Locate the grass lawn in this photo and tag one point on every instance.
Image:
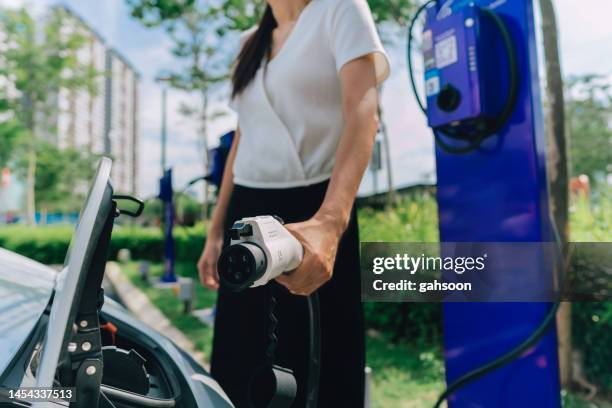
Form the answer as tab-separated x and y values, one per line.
172	307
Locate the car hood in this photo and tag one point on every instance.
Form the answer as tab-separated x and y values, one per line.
25	289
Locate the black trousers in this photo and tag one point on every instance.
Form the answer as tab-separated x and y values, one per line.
240	337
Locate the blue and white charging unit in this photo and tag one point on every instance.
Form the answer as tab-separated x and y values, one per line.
495	190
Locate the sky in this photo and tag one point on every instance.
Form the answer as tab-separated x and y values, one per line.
585	39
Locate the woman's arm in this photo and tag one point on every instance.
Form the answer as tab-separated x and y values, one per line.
321	234
360	110
207	265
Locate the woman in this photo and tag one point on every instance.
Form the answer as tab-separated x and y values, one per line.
305	90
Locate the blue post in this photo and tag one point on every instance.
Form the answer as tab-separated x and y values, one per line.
498	193
166	196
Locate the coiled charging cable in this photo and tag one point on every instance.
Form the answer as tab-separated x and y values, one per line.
314	369
272	386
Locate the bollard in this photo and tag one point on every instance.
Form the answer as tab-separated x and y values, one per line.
186	293
368	388
144	267
124	255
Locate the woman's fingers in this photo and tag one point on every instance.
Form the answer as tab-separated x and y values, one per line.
211	276
212	281
201	271
307	278
207	270
207	264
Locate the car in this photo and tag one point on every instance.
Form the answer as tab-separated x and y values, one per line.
58	331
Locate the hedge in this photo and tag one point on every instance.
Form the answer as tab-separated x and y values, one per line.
49	245
46	245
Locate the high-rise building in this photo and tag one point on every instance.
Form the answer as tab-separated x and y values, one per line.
104	121
101	121
121	126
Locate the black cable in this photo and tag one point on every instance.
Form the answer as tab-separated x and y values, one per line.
314	352
513	71
410	40
533	338
314	369
477	136
271	329
472	146
504	359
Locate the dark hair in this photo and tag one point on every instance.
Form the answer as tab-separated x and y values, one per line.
257	47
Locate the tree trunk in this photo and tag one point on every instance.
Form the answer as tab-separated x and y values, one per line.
29	112
31	184
391	197
557	167
205	204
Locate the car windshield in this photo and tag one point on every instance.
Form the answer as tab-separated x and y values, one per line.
71	280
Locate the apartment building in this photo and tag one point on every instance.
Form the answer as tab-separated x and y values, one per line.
104	121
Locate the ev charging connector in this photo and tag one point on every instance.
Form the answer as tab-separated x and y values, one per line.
261	249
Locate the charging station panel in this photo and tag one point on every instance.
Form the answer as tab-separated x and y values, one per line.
460	83
497	193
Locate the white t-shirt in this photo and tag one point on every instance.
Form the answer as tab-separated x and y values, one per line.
290	115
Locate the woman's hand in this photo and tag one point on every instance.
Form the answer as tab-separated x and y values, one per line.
320	237
207	265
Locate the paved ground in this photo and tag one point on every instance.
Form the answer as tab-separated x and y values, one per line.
140	305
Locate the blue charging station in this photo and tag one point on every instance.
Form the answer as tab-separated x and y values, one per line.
495	190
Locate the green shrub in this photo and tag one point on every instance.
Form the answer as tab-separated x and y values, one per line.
592	322
49	244
414	219
592	335
420	324
591	221
45	244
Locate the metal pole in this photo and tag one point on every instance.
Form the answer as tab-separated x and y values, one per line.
164	130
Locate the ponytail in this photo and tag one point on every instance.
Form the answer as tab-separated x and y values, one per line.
257	47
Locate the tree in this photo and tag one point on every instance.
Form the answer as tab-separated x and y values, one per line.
77	170
61	178
197	32
240	15
152	12
589	115
391	196
11	134
38	60
557	163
